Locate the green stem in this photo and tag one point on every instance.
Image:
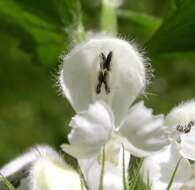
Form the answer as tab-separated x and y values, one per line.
173	175
102	171
80	32
109	17
6	182
124	171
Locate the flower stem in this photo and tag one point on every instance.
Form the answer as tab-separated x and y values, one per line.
6	182
102	171
109	17
124	171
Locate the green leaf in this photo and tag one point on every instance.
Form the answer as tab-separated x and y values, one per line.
40	37
45	37
174	5
173	176
134	172
71	16
6	183
177	31
141	19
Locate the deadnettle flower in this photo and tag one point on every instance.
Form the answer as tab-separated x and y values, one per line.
41	169
103	68
159	167
101	78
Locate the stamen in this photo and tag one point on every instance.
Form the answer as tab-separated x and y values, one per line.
105	67
185	128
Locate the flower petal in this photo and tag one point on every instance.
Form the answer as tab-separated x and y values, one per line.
113	171
187	148
79	75
183	115
190	184
91	129
144	132
159	168
53	174
17	170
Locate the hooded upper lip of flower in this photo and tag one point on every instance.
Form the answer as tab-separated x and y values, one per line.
123	82
140	132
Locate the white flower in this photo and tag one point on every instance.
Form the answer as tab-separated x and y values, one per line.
16	171
103	68
52	173
41	168
140	132
183	117
113	168
159	167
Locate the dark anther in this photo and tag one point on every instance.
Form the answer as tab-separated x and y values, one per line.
185	128
179	128
105	67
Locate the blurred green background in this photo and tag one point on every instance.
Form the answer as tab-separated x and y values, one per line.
33	34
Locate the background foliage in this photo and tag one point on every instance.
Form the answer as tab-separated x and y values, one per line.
34	33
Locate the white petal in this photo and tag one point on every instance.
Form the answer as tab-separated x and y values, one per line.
53	174
159	167
182	114
189	185
90	131
79	75
113	171
144	132
188	145
17	170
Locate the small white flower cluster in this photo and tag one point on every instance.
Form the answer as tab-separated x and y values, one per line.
102	78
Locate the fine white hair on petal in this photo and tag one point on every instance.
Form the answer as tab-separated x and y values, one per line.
144	132
17	171
182	115
159	167
79	74
91	129
50	172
